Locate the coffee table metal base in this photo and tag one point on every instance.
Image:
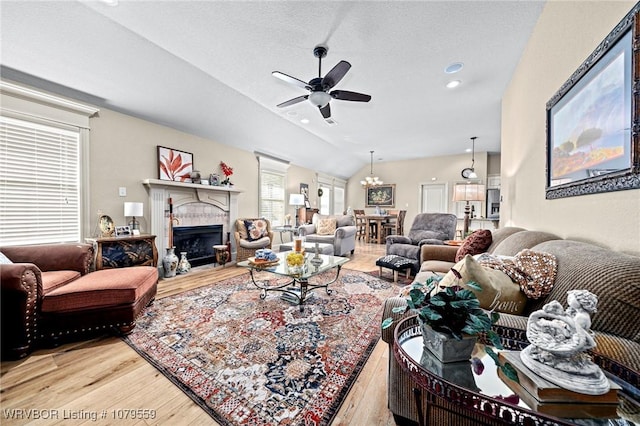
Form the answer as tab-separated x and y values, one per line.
303	283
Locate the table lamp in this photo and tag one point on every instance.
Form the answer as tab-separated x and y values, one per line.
468	192
298	201
133	210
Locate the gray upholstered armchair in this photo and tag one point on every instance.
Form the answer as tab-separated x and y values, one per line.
343	236
427	228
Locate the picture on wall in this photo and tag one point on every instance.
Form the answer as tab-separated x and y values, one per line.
174	164
381	196
590	147
304	190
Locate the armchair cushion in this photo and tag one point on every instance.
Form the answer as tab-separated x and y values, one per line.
54	279
419	235
255	244
256	229
327	226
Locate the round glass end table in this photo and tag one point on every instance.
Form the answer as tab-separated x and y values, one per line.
472	393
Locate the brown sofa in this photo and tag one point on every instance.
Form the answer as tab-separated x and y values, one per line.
614	277
49	294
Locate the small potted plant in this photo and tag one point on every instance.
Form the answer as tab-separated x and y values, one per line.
451	318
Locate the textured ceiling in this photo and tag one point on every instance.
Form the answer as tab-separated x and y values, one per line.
204	67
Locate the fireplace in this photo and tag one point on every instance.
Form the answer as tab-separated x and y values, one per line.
198	242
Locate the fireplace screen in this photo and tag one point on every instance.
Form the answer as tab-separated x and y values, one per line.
198	242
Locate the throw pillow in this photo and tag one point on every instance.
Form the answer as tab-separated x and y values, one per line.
4	260
256	229
476	243
498	291
327	226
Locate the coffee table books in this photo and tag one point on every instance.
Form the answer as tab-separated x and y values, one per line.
545	397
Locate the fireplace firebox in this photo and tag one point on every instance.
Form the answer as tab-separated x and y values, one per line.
198	242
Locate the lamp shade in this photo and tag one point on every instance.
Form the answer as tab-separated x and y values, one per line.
469	192
296	200
133	209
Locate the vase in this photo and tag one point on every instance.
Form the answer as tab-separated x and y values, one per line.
446	347
195	176
170	263
183	265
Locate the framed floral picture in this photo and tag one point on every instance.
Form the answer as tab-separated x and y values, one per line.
381	196
174	164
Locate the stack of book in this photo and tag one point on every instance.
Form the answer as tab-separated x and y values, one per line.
547	398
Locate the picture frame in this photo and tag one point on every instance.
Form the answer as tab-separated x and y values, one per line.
123	231
590	145
380	196
304	190
174	165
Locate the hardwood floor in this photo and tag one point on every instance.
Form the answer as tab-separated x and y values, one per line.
105	377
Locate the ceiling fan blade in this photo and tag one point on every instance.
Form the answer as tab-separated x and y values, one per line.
291	80
293	101
335	75
325	111
345	95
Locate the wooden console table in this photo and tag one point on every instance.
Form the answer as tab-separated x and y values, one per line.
120	252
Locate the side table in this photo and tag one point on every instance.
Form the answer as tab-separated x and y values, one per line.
120	252
456	394
292	230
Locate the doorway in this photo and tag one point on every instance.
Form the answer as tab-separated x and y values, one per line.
434	198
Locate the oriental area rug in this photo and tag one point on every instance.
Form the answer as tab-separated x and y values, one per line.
249	361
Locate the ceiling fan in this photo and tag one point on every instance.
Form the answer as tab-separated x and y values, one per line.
319	87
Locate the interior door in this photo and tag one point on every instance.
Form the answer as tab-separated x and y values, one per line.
434	198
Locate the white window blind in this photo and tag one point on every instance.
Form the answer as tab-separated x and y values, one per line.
272	203
273	174
39	183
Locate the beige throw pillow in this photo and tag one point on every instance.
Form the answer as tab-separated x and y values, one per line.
498	293
327	226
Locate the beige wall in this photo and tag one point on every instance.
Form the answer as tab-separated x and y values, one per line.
410	175
566	34
123	152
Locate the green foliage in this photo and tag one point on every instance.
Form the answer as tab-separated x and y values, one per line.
453	310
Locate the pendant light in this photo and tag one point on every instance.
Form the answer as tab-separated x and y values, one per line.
470	172
371	180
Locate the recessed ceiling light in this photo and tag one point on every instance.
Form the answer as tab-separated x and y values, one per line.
467	150
292	113
110	2
454	68
453	83
305	121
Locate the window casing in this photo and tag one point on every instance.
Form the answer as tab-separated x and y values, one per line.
44	156
273	177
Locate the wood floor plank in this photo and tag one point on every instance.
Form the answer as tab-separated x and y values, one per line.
105	375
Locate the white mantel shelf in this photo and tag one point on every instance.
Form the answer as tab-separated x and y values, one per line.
169	183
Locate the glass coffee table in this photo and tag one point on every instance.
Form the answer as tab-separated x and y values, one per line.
472	393
299	287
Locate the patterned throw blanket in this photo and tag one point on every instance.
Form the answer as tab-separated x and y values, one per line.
535	272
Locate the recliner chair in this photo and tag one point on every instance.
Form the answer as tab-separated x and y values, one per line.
427	228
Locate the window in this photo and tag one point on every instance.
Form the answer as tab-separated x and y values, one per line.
43	167
273	175
39	183
332	200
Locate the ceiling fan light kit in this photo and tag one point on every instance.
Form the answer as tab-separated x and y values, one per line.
319	87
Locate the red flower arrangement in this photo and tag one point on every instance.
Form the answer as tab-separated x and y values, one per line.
228	171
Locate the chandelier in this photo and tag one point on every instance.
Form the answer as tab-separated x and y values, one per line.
371	180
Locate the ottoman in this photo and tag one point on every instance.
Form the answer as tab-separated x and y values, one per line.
396	264
310	248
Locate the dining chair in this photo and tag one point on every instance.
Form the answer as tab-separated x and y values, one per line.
360	223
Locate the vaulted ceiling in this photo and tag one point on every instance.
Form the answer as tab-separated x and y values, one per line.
204	67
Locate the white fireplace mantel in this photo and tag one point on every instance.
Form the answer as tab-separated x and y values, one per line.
181	193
